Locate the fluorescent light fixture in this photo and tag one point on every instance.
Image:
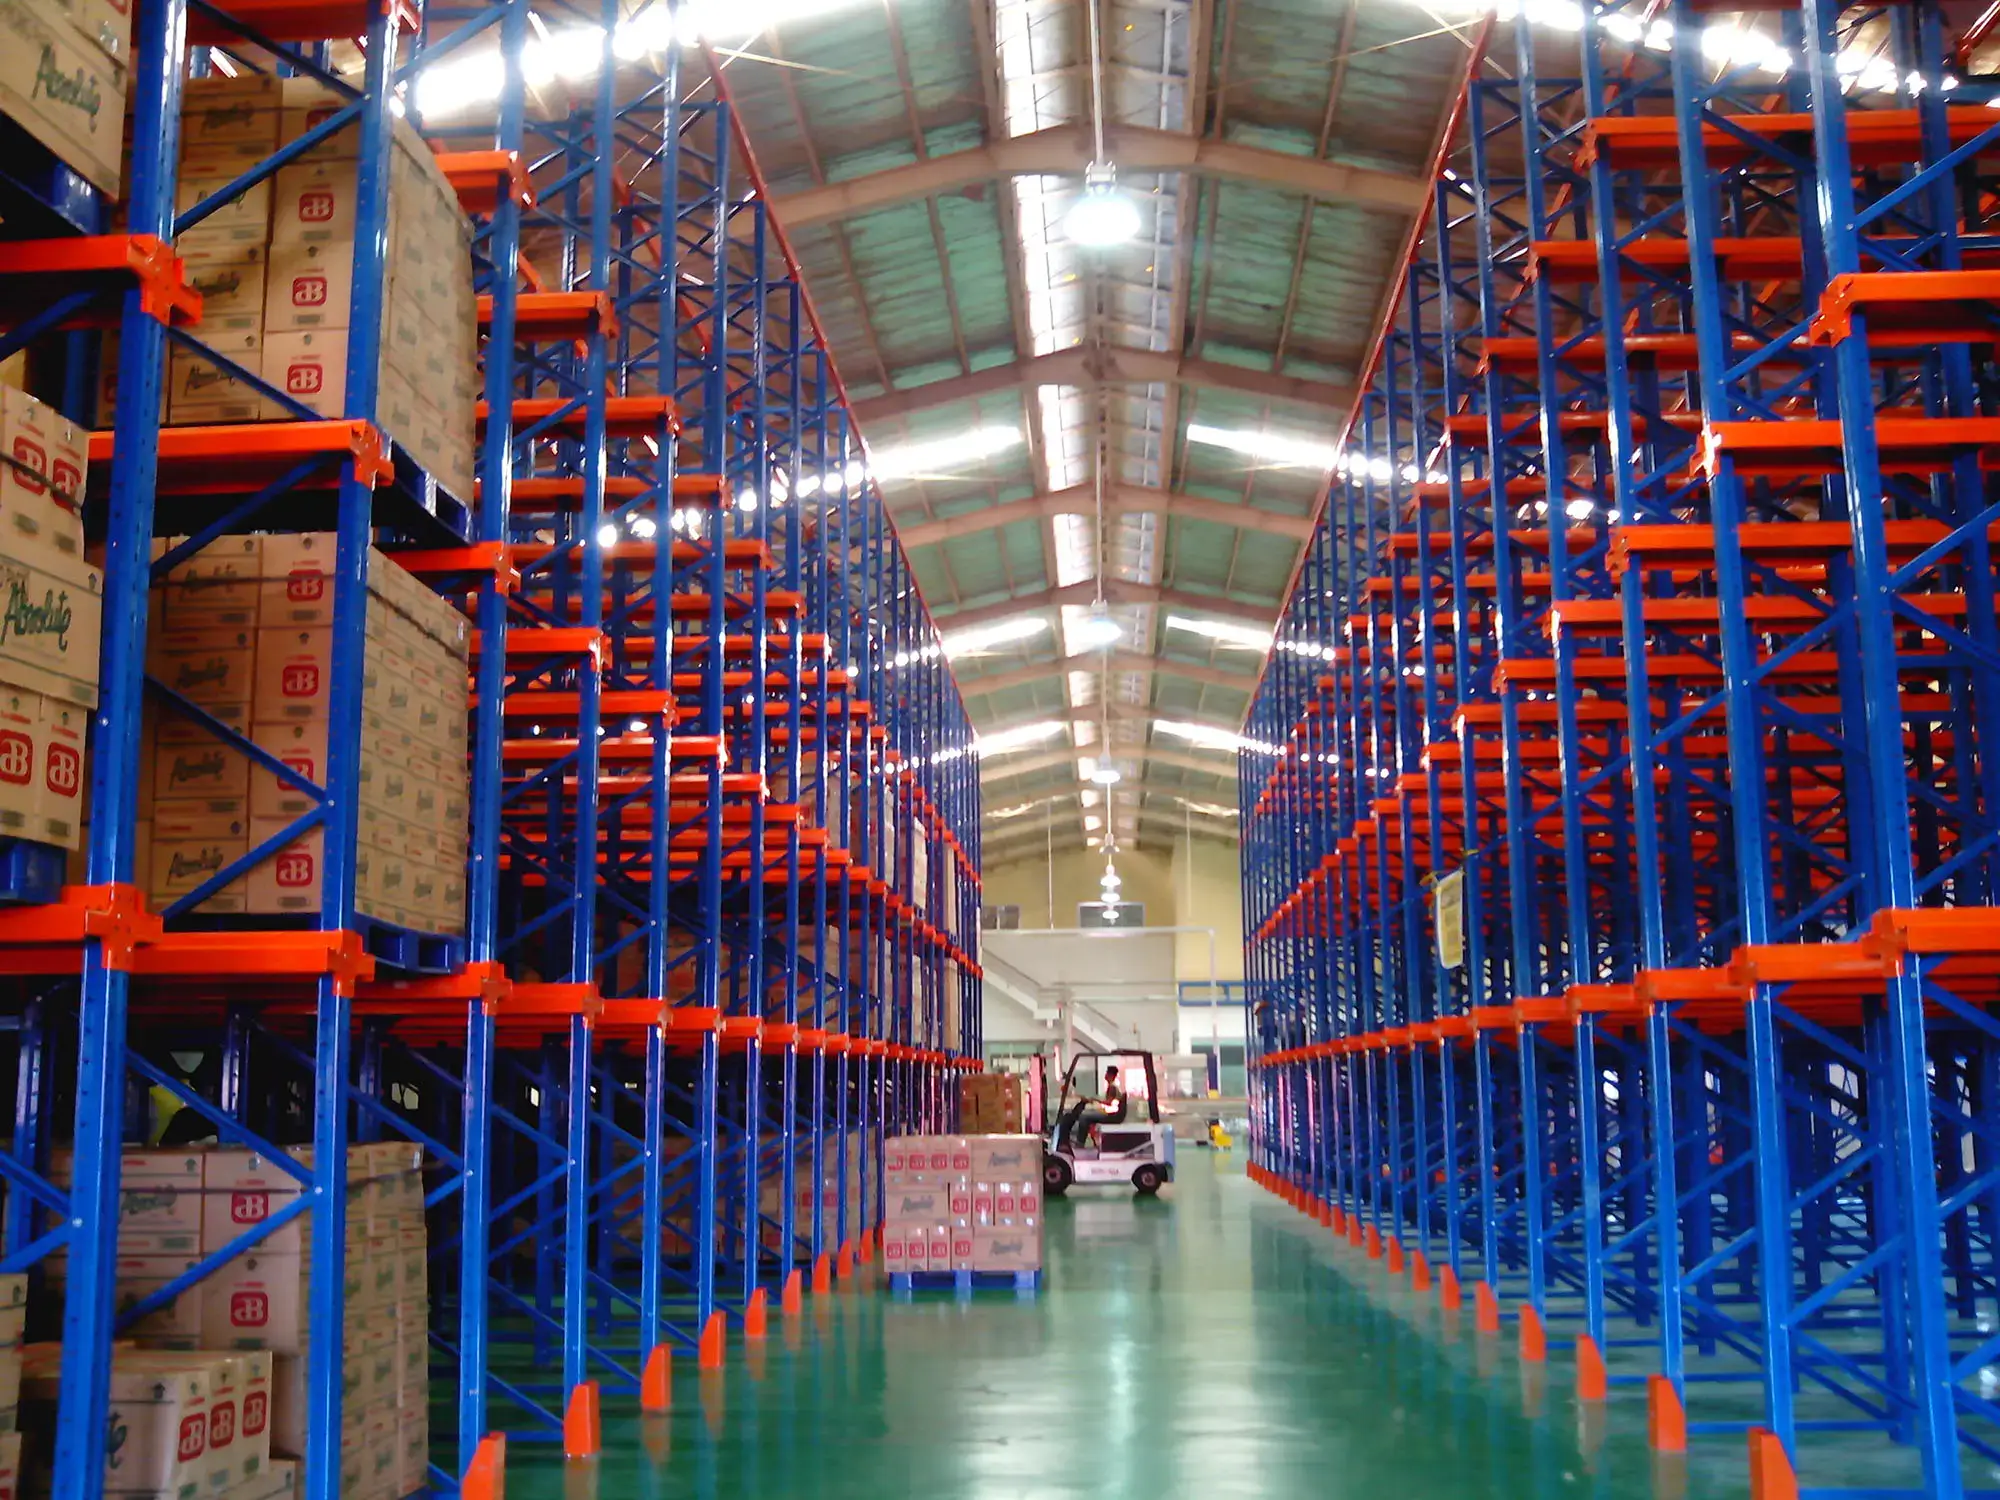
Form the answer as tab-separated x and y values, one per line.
607	535
1020	737
1208	809
1103	214
1019	809
572	54
1098	631
1223	632
1268	447
942	455
1580	510
983	638
1209	737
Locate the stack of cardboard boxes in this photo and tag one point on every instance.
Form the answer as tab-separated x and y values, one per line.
990	1104
962	1203
275	267
245	631
830	1193
51	607
13	1328
63	78
234	1347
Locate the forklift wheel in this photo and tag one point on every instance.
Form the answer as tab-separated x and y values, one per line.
1147	1180
1056	1175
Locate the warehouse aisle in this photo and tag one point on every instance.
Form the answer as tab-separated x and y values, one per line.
1206	1346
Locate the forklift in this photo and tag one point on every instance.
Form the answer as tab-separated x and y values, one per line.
1131	1151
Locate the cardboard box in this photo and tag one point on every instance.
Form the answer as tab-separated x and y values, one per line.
1013	1249
216	586
205	772
106	22
178	1325
237	114
308	103
49	621
310	286
20	712
315	204
214	667
42	480
257	1301
301	745
13	1308
59	85
201	393
294	678
160	1409
61	739
239	224
998	1158
187	849
241	1190
10	1465
310	367
288	883
231	279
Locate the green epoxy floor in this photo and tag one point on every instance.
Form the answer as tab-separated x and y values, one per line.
1210	1344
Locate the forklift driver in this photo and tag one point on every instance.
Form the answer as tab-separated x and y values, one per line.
1112	1111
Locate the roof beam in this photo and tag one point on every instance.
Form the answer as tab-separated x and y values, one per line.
1116	661
1013	830
1007	767
1119	500
1092	713
1116	591
1065	150
1091	365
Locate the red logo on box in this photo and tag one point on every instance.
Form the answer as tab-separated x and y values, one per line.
305	585
17	758
222	1424
1005	1203
309	290
300	679
34	464
249	1309
315	206
68	484
294	868
302	763
961	1164
892	1251
1027	1203
940	1160
194	1438
64	776
959	1203
961	1248
249	1208
256	1408
304	379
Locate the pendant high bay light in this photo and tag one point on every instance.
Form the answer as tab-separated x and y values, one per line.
1103	214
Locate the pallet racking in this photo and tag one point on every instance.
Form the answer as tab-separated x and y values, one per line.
1632	972
712	739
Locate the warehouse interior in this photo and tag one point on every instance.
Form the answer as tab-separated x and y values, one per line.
999	748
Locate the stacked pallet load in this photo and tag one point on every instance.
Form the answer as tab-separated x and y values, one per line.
245	635
274	266
231	1349
962	1210
991	1104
